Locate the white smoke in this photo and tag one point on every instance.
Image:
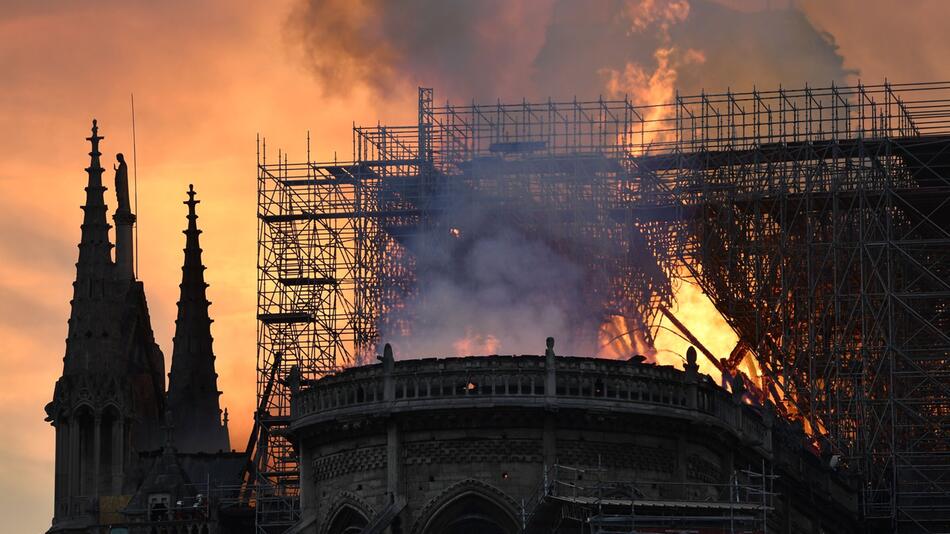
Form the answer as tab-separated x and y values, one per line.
486	285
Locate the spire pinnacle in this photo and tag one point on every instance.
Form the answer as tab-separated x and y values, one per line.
191	202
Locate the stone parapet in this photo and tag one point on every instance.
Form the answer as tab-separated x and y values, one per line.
523	381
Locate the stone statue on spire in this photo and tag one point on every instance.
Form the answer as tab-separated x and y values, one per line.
122	184
124	222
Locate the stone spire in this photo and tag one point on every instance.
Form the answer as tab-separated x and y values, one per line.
95	259
107	404
192	390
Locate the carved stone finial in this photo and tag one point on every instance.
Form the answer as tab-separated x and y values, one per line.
293	379
191	202
388	359
549	343
691	367
738	387
95	137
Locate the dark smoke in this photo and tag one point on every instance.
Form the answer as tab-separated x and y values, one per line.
550	48
463	47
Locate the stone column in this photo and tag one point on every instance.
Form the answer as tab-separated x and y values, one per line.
96	452
681	477
393	459
118	455
691	375
549	438
730	462
393	445
61	492
550	368
389	363
308	496
549	442
74	468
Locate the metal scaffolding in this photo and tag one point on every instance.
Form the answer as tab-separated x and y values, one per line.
817	220
588	500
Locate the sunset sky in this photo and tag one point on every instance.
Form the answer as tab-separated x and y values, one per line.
208	76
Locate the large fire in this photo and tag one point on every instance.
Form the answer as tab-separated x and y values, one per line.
693	310
692	321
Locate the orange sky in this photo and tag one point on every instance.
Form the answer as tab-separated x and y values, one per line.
207	76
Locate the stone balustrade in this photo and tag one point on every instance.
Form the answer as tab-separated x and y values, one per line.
525	381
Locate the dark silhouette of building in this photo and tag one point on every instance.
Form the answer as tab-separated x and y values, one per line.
116	459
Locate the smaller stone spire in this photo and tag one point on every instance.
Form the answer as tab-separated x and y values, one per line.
192	383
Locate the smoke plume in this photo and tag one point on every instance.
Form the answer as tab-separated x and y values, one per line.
487	284
556	48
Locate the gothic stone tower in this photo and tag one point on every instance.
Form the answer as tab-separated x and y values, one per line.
193	384
109	402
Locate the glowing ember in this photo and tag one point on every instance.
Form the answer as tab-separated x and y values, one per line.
476	343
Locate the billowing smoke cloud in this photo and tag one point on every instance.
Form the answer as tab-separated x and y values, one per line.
557	48
488	285
468	49
494	286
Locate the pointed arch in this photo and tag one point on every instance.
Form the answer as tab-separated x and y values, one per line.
469	507
348	515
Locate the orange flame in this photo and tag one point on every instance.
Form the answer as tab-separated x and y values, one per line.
619	340
656	89
652	90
